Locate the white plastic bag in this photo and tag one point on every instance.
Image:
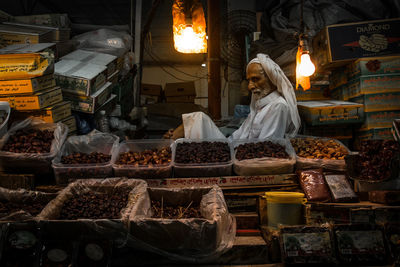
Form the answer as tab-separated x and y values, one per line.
198	125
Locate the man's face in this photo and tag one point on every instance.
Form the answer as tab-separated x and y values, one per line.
259	84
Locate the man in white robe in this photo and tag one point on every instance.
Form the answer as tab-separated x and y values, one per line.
273	107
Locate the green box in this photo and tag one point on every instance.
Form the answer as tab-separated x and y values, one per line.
330	112
380	119
379	102
373	84
376	133
123	89
374	66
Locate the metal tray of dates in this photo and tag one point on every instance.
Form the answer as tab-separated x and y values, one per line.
202	158
377	161
144	159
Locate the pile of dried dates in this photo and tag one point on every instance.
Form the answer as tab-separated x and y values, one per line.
166	211
261	150
95	205
312	148
202	152
146	158
376	158
83	158
29	141
7	208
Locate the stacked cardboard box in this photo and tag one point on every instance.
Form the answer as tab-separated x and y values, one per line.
180	92
375	83
32	90
150	93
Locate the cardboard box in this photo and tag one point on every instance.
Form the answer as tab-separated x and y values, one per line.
314	93
91	57
79	78
53	19
338	44
71	123
10	34
379	101
27	86
181	99
25	66
374	66
37	101
179	89
375	133
380	119
151	89
89	104
338	77
30	48
50	114
373	84
57	34
330	112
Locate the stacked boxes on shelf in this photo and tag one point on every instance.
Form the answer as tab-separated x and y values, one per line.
84	78
27	83
375	83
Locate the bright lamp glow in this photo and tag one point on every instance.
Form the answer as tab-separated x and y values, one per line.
306	67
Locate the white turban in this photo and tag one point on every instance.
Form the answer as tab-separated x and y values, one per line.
284	87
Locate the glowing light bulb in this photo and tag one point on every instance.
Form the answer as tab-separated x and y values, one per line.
306	67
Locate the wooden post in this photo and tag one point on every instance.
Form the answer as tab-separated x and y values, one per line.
214	75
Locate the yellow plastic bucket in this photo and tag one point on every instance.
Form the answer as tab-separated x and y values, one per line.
284	208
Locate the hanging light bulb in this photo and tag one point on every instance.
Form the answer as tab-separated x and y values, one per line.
189	27
306	67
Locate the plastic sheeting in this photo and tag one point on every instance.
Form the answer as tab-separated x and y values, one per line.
33	162
281	20
95	141
192	239
26	198
266	165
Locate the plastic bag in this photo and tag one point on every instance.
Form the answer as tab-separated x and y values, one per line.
33	162
198	125
192	239
105	41
328	164
266	165
115	229
95	141
27	199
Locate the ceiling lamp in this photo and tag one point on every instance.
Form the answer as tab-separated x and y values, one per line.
189	26
304	66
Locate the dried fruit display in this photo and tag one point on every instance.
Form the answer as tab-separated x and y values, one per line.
95	205
260	150
146	158
7	208
376	158
202	152
312	148
83	158
167	211
29	141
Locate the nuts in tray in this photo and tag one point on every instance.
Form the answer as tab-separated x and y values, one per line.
95	205
155	156
166	211
83	158
311	148
376	158
260	150
7	208
29	141
204	152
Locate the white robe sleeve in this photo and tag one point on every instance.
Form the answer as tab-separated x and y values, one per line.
275	122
